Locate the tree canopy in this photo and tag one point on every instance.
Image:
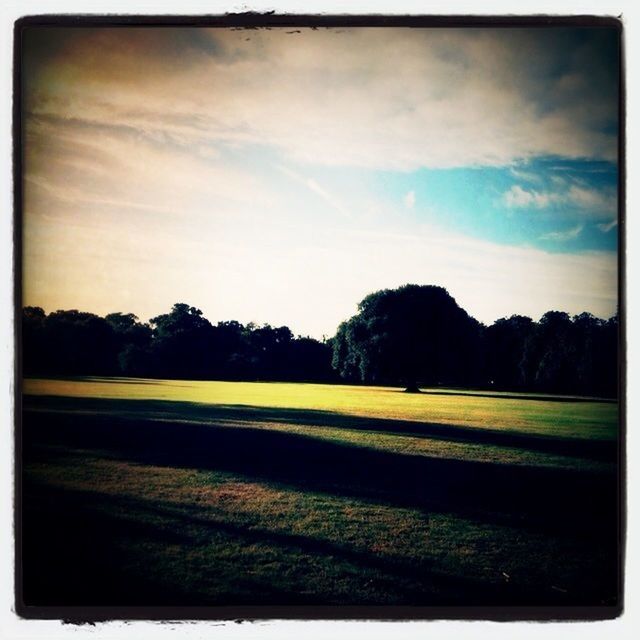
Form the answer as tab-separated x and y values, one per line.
408	335
179	344
415	335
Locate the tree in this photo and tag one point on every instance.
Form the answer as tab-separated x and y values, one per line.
133	342
229	351
505	342
34	343
550	353
269	350
80	343
182	341
410	335
309	360
607	362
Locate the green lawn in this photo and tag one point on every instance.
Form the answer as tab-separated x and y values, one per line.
156	492
474	409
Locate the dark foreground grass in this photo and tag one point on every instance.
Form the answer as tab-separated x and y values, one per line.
152	502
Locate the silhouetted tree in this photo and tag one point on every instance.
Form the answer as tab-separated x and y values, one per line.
413	334
182	341
35	358
310	361
80	343
505	343
606	360
268	348
229	359
549	356
133	343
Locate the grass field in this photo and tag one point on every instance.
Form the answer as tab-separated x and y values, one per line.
157	492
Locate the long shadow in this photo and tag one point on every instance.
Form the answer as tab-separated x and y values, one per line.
599	450
100	379
81	549
451	391
564	501
423	576
506	395
75	528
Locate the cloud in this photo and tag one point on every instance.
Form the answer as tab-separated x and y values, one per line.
313	186
527	176
409	199
519	197
596	200
149	167
85	162
327	197
607	226
377	98
263	275
587	200
562	236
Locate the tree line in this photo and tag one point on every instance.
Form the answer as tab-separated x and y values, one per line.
415	335
419	336
179	344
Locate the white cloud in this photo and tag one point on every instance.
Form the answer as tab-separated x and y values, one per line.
132	202
561	236
379	98
519	197
590	201
308	281
327	197
605	201
527	176
313	186
605	227
409	199
95	164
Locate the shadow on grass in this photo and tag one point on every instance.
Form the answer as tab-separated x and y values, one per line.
450	391
599	450
100	379
87	549
508	395
560	500
93	556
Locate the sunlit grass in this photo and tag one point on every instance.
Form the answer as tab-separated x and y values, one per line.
197	530
243	536
562	418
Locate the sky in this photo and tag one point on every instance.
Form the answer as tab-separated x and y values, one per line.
279	176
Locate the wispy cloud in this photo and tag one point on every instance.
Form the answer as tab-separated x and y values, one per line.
409	199
267	92
605	227
519	197
244	281
149	159
527	176
313	186
589	200
605	201
562	236
329	198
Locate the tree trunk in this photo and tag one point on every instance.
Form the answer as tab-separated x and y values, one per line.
412	387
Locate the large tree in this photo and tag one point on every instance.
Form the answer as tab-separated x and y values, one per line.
79	343
181	343
132	343
505	342
411	335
